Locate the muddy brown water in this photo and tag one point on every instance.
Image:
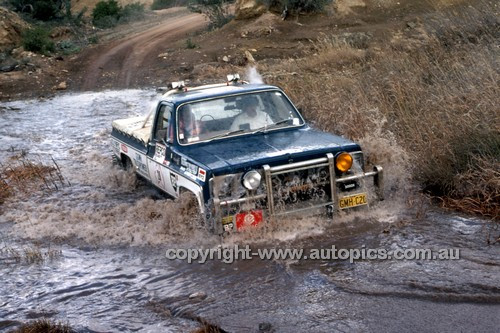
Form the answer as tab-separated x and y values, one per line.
112	274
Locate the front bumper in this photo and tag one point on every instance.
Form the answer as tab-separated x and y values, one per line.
269	195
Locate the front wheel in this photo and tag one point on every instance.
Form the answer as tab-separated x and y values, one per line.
189	210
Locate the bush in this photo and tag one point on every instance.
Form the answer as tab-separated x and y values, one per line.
106	14
106	22
162	4
217	11
43	10
190	44
94	39
68	47
132	12
37	40
298	6
77	19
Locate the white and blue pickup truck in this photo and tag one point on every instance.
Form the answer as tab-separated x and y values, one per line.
245	152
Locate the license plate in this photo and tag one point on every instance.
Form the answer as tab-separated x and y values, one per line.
353	201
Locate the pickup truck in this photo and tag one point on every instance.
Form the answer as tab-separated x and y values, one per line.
245	153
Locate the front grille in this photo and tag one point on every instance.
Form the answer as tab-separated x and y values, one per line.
297	189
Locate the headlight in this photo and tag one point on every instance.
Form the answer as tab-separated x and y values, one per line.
251	180
343	162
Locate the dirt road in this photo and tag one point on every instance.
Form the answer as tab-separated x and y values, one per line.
119	62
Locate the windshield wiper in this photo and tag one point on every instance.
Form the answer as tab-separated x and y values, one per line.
264	129
223	135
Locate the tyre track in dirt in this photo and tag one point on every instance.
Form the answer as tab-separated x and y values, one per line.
129	57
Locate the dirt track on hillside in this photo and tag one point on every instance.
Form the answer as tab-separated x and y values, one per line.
119	62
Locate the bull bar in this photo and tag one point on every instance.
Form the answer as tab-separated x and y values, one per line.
327	161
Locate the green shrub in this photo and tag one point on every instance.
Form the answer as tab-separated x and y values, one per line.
43	10
190	44
297	6
106	14
19	5
308	6
78	19
162	4
131	12
106	22
68	47
93	39
37	40
217	11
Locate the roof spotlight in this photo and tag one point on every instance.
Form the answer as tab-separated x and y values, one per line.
178	85
233	77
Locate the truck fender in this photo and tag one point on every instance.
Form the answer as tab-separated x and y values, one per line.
126	162
195	190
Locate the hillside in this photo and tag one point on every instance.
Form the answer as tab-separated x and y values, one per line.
78	5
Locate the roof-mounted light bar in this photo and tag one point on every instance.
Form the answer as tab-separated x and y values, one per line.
233	77
178	85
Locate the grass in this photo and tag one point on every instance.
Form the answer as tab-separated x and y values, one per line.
190	44
162	4
32	254
433	92
28	255
44	326
23	176
37	39
160	308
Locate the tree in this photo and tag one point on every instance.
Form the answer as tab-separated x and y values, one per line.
43	10
106	13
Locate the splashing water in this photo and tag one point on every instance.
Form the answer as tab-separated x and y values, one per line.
253	75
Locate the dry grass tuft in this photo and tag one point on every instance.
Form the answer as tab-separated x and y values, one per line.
208	328
28	255
22	176
44	326
478	189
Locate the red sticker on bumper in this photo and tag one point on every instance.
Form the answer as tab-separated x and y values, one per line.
247	219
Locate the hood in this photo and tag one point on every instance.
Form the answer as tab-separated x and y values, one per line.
273	148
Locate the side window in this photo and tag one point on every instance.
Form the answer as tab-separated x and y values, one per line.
162	122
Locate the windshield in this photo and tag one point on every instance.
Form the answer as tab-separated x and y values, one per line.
235	115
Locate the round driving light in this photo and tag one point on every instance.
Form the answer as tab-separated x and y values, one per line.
251	180
343	162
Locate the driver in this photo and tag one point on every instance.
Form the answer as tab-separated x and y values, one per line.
189	128
251	118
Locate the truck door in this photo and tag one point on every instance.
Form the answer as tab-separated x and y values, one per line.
158	161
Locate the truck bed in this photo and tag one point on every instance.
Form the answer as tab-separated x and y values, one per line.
134	127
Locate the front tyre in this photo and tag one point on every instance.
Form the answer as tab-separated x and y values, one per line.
189	210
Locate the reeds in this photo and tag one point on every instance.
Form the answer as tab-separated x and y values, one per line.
21	175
